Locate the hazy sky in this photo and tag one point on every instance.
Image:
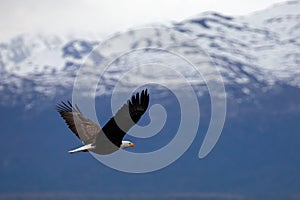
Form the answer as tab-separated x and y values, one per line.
107	16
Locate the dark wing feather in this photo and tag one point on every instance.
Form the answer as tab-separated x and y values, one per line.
129	114
85	129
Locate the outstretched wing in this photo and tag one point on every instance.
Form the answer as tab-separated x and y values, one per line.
129	114
85	129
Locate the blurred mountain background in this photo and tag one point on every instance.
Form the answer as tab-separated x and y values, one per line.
256	157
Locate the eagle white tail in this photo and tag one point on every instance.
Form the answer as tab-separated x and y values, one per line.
83	148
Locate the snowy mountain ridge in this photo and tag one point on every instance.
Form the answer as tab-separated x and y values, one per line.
252	52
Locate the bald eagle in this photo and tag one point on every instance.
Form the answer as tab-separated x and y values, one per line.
108	139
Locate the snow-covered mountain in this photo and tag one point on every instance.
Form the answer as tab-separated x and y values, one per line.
253	52
256	157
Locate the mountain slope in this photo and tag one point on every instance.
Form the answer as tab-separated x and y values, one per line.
253	52
256	157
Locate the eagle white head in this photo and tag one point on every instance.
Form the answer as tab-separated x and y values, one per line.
126	144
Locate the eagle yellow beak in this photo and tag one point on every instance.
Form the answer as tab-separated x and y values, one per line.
131	145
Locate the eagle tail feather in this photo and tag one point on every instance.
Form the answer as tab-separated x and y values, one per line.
83	148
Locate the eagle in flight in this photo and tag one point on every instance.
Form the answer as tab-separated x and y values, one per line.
108	139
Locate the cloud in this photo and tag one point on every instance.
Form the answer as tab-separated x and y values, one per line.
106	16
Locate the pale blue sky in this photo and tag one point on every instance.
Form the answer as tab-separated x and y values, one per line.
108	16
